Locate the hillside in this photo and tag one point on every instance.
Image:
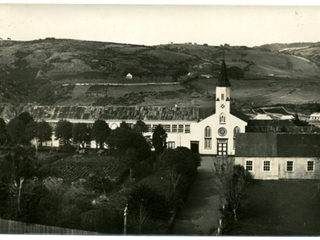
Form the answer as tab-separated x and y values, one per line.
45	71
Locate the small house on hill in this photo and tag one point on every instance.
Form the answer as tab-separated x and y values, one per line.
262	117
315	116
129	76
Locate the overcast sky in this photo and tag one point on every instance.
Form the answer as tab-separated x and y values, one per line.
160	24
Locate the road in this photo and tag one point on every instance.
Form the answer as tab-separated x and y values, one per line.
200	215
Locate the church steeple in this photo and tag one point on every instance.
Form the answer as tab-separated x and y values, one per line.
223	91
223	80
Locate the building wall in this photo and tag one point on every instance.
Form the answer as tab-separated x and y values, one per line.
190	131
278	167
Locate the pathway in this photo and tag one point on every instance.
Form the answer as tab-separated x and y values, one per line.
201	212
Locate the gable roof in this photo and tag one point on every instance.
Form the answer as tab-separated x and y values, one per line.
223	80
113	113
207	112
277	145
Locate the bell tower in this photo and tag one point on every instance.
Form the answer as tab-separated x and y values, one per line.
223	91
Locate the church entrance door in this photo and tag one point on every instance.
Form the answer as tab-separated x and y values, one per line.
222	147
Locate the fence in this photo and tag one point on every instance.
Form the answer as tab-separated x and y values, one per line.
14	227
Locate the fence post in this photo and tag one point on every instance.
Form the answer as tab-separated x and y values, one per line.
125	219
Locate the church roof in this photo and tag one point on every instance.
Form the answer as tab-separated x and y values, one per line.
207	112
223	80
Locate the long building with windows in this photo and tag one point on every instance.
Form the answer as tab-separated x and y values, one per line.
279	155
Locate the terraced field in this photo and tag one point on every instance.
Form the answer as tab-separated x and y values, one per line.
77	167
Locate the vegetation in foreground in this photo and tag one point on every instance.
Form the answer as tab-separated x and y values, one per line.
89	191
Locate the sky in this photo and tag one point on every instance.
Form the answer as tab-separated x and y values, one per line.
160	24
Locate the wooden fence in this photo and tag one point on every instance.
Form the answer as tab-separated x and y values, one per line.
14	227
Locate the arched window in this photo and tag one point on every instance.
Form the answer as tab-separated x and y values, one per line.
207	132
207	138
235	130
222	118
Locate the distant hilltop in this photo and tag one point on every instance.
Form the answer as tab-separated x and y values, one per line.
34	71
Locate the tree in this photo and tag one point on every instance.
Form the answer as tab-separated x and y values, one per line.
140	127
125	125
144	203
123	139
298	122
181	160
16	130
100	132
235	73
3	131
31	131
80	133
159	139
18	164
64	131
25	117
234	180
44	132
131	159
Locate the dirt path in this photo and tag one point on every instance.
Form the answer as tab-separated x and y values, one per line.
201	213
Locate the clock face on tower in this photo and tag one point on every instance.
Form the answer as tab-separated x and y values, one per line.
222	105
222	131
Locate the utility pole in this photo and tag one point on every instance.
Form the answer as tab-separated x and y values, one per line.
125	213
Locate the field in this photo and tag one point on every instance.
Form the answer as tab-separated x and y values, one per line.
75	167
279	208
266	92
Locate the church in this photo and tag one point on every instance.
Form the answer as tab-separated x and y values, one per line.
215	134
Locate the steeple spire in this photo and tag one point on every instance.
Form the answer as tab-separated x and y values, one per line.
223	80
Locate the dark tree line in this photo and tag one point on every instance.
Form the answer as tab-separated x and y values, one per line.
22	129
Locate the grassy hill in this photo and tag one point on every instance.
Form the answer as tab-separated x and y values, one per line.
45	71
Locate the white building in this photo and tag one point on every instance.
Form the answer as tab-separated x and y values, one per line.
262	117
315	116
129	76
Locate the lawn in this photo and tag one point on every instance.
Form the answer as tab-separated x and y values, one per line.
279	208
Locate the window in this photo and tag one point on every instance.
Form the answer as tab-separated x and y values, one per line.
187	128
222	96
235	131
249	165
266	166
207	138
171	145
174	128
207	143
310	166
149	127
167	128
180	129
222	118
289	166
207	132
